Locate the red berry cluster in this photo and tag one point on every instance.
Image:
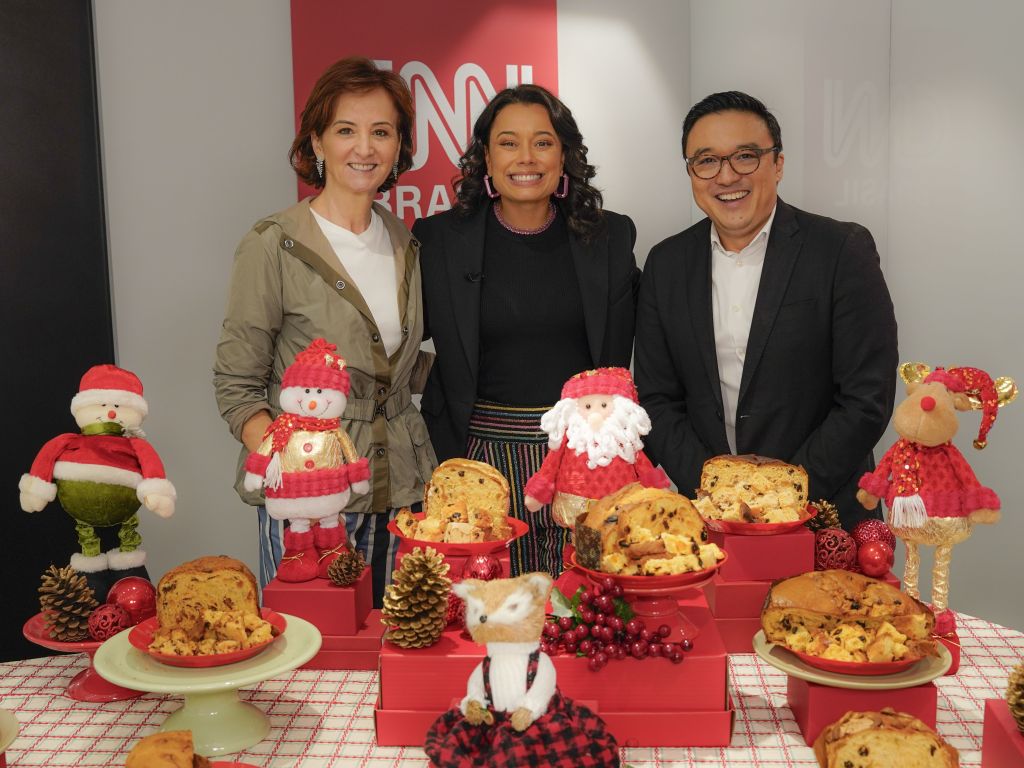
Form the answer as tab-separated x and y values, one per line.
603	628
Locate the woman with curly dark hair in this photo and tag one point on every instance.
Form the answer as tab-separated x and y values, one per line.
526	281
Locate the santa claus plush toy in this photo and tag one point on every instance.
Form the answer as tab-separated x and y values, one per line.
595	447
101	475
307	464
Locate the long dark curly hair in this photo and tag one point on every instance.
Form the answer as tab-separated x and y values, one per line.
583	205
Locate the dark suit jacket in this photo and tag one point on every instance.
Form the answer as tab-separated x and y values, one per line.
451	259
819	375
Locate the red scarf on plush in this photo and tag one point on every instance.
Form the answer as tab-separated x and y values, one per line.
906	468
284	425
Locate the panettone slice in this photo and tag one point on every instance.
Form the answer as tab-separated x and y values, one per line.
885	738
480	486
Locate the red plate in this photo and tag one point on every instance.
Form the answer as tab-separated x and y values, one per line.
35	631
644	583
519	528
142	635
758	529
855	667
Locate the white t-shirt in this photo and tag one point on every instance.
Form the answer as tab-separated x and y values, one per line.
735	278
369	259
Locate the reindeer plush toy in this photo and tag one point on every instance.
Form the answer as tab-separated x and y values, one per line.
512	714
932	494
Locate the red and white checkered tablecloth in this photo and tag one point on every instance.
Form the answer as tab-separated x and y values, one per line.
325	718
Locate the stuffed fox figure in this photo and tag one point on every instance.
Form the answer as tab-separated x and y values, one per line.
513	713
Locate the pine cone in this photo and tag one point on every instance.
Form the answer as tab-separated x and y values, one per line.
66	600
827	517
1015	695
347	569
416	603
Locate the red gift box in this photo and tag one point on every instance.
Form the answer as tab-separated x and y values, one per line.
649	702
333	610
358	651
765	558
817	706
711	728
738	634
457	562
1002	743
736	599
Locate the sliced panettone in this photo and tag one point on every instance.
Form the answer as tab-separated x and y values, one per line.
480	486
885	739
847	616
208	583
751	488
168	749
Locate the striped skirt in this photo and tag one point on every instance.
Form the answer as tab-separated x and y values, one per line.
510	439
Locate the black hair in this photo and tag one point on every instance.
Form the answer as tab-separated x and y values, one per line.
582	206
732	100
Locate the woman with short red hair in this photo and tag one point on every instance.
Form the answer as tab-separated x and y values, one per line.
337	266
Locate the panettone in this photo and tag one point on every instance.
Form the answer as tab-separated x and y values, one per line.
167	749
479	485
885	739
751	489
643	531
847	616
215	582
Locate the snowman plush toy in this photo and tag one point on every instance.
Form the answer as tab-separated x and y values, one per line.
101	475
307	464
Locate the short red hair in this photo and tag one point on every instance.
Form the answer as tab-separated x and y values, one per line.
355	74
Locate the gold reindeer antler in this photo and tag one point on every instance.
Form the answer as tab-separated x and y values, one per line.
912	372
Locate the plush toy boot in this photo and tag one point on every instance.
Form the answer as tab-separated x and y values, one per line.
299	560
330	544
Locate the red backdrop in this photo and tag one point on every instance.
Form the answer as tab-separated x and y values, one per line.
455	55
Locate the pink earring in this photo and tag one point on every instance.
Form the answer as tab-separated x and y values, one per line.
489	189
562	191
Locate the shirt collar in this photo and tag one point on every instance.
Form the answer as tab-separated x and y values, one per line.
716	243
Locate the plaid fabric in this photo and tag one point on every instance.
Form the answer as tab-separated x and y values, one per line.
323	718
566	735
511	440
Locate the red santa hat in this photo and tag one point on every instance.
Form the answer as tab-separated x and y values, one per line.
108	384
317	367
601	381
972	381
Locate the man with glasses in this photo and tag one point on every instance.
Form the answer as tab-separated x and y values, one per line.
763	328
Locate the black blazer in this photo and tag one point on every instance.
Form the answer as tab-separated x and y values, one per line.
451	259
819	377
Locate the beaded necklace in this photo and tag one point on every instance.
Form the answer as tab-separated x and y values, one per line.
517	230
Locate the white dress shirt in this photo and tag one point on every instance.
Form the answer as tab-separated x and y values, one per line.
369	259
734	281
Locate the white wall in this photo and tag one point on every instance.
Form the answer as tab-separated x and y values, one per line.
196	103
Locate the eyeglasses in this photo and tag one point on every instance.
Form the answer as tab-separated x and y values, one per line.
742	161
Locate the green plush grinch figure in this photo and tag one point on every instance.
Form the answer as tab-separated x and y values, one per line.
102	475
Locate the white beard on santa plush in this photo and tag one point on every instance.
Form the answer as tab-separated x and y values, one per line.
618	436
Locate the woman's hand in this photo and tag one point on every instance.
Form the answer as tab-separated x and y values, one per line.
254	429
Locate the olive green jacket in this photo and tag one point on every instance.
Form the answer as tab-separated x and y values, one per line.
288	288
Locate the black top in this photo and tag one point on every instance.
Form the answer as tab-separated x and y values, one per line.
532	333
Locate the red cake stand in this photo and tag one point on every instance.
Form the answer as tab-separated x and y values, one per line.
658	596
87	685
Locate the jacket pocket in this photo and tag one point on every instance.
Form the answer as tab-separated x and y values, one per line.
426	461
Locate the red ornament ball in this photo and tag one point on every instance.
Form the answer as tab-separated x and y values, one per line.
873	530
136	595
107	620
875	558
834	548
483	567
456	613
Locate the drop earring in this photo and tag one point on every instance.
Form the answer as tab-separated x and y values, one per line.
488	189
320	168
562	190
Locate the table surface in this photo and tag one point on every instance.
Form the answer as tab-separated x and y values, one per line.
322	718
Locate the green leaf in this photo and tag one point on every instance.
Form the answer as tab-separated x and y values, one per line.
622	609
560	605
577	598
